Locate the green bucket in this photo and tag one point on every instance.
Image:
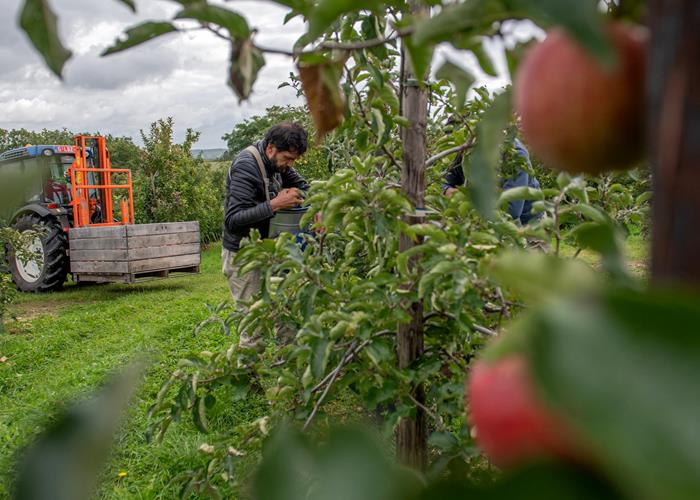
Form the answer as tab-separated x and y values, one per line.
287	221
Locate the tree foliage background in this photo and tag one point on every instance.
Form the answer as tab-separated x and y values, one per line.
171	185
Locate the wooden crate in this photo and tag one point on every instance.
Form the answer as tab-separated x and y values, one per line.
125	254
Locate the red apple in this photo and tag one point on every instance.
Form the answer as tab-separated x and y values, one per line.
578	115
513	425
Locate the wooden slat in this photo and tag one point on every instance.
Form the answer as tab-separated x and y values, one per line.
166	251
99	255
106	267
97	232
162	228
138	266
98	244
134	254
163	239
103	278
190	269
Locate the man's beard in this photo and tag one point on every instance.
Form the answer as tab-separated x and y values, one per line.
278	167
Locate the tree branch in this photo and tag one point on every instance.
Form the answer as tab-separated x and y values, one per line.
349	355
347	46
335	374
332	376
457	149
484	330
438	420
216	32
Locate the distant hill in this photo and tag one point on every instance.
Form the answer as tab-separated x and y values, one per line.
209	154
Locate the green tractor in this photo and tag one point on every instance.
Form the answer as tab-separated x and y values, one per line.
84	213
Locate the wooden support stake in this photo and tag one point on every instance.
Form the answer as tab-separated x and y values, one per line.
411	437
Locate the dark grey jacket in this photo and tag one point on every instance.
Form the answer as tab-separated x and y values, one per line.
245	206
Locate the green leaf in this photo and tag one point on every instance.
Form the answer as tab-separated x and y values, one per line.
389	97
481	173
140	34
483	58
326	12
378	124
604	239
283	473
39	23
460	78
578	17
297	6
591	212
536	276
205	13
199	414
245	63
419	56
623	369
290	15
362	140
468	18
643	198
350	465
446	441
319	361
520	193
130	4
378	352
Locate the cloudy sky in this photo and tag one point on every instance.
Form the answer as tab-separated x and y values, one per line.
178	75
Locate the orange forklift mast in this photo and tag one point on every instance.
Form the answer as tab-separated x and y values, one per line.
92	188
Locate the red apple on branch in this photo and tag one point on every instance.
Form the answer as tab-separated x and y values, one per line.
513	425
578	115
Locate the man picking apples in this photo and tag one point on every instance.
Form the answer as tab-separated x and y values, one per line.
519	210
261	181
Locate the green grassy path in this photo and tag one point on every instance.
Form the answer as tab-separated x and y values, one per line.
65	343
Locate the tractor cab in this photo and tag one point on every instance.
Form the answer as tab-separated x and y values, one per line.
70	180
44	169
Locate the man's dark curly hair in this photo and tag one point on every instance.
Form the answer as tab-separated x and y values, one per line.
288	136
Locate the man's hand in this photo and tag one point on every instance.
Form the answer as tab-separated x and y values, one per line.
287	198
450	191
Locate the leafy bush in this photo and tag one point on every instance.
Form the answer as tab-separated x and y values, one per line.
171	185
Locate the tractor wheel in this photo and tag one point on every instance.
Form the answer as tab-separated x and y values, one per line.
49	270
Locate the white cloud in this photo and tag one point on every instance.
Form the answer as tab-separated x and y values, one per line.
179	75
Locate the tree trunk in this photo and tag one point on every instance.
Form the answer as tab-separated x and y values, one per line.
411	437
674	128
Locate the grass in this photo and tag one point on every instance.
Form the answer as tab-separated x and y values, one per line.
636	250
64	344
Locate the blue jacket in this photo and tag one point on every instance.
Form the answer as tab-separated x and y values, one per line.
519	209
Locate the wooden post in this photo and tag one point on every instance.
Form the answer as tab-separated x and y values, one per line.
674	133
411	437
